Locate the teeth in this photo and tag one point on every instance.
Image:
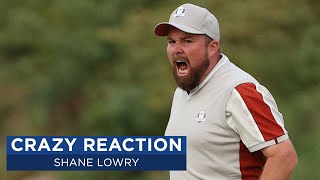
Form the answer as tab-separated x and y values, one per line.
180	61
183	71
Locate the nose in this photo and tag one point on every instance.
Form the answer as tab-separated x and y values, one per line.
176	49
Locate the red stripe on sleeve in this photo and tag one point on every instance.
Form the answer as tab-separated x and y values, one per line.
260	111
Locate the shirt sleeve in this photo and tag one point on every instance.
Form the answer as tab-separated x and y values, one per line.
253	113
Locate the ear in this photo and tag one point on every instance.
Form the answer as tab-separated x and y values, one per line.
213	48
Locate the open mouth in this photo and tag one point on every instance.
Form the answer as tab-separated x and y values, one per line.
182	67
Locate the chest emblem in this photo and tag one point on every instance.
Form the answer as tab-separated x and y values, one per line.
201	117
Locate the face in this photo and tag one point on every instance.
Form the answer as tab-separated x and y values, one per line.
189	58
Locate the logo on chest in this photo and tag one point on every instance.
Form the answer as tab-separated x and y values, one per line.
201	117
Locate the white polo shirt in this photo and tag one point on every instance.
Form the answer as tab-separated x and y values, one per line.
227	119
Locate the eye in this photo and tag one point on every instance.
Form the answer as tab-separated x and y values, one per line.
171	41
188	41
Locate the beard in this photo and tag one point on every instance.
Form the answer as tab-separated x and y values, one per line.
192	80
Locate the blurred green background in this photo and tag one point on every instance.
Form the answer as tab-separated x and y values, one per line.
94	67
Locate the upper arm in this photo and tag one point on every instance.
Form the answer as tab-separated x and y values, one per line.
281	159
254	115
283	149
